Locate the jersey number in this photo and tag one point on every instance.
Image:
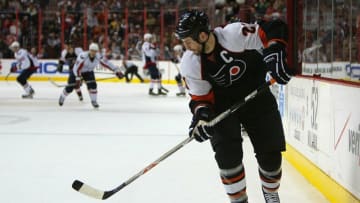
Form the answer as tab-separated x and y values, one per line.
248	29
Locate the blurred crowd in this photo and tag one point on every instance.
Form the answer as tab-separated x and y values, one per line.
46	25
330	32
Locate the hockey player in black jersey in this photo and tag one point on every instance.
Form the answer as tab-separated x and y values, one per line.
68	56
221	67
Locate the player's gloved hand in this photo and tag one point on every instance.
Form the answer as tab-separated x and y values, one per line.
77	82
198	127
275	59
119	74
60	66
13	68
174	60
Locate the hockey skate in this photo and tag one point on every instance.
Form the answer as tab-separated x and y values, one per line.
180	94
95	104
28	95
61	100
151	92
271	197
160	92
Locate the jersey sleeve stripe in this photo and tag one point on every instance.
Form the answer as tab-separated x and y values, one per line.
209	98
263	37
79	69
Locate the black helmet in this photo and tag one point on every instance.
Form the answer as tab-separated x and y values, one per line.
191	23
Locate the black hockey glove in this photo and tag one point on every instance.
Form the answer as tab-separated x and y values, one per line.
275	59
60	66
119	74
175	60
198	127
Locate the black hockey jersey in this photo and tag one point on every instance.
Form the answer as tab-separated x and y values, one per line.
232	70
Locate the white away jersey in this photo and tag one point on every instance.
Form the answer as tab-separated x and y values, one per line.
149	53
85	64
25	60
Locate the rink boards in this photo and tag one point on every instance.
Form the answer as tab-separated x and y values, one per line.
322	123
47	69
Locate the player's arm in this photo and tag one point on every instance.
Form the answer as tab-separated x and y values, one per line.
21	59
202	98
61	61
107	64
274	35
201	106
60	66
78	66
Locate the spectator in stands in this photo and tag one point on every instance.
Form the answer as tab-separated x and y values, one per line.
358	37
53	45
260	8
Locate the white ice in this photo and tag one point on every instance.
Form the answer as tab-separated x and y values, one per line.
45	147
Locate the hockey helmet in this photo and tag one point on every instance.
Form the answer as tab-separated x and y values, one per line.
14	44
94	47
178	48
191	23
147	36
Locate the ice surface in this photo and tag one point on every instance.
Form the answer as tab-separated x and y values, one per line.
45	147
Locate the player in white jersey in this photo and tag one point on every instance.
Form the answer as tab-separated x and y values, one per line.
68	56
220	68
28	64
178	52
149	55
84	68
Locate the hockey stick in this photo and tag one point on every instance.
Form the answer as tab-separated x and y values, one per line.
74	84
100	194
7	76
107	73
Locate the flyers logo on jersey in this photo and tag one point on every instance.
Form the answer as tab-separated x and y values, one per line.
230	71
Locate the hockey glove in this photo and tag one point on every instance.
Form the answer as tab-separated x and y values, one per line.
119	74
13	68
198	127
77	82
60	66
175	60
275	59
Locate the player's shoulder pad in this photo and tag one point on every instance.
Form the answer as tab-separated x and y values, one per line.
22	51
274	29
100	56
78	51
231	36
83	55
